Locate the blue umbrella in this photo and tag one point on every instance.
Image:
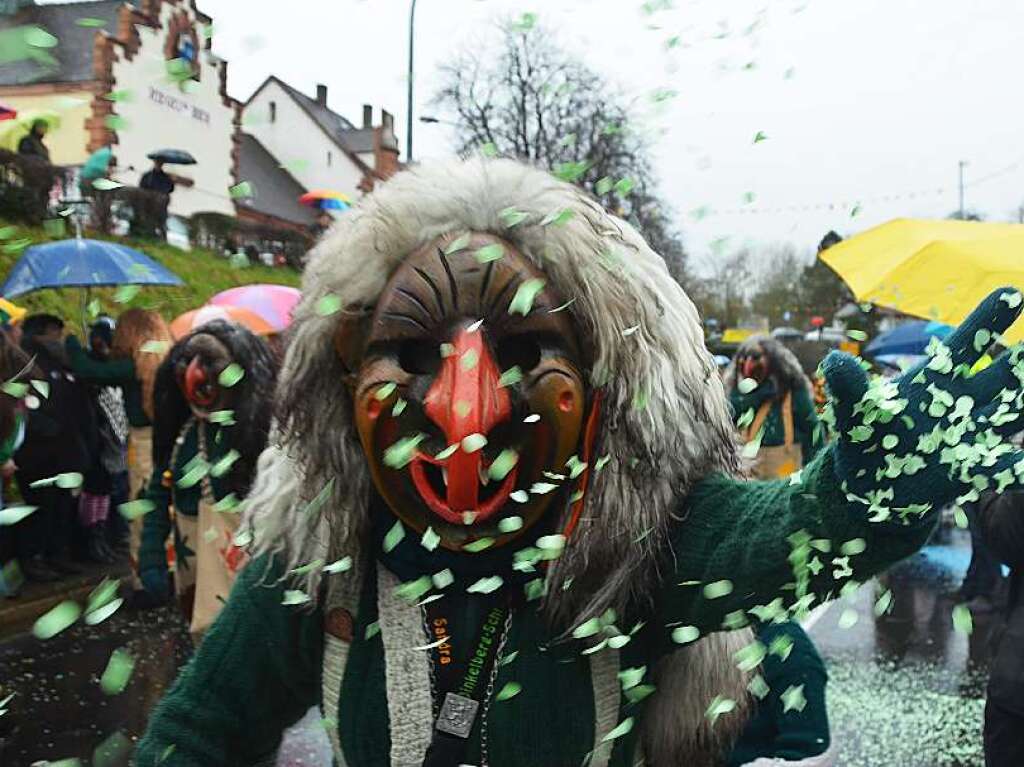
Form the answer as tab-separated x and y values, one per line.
909	338
80	263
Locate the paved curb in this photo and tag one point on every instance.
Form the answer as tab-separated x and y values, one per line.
17	614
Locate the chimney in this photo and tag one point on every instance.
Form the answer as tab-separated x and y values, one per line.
367	116
387	120
321	94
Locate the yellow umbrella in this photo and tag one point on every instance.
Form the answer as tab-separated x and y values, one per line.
937	270
12	131
10	313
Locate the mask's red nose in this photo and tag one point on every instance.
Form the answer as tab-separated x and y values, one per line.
466	399
195	384
748	367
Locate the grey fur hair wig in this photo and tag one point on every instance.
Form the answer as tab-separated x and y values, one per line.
786	369
665	417
665	420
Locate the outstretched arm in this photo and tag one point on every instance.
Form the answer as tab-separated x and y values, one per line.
902	449
256	673
119	372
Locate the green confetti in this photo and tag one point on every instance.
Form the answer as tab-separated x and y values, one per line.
328	305
489	149
90	22
848	618
511	217
385	391
459	243
603	186
154	347
557	218
473	442
295	597
393	537
1012	299
99	614
486	585
478	545
510	690
520	496
429	540
960	518
963	623
37	37
522	302
443	579
857	335
448	452
135	509
231	375
511	376
117	673
340	566
793	698
503	464
12	515
853	546
624	728
685	634
489	253
883	603
759	137
105	184
223	417
469	359
372	630
402	452
624	186
746	385
413	590
890	441
758	687
719	706
242	189
56	620
718	589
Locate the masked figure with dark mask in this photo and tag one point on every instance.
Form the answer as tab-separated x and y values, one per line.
501	519
212	413
773	405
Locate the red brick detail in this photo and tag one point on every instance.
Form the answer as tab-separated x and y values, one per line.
243	213
103	58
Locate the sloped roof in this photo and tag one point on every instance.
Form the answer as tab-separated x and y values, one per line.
74	50
276	190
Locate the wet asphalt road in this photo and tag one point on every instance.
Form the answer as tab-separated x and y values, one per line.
905	688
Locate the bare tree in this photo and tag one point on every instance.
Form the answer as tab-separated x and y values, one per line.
534	101
721	293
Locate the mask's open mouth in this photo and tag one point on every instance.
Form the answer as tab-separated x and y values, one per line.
432	479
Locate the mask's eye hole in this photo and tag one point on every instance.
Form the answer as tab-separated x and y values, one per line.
419	357
521	351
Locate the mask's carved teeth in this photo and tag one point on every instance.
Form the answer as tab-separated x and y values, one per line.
485	479
444	475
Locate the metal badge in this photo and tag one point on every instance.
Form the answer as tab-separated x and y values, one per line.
457	715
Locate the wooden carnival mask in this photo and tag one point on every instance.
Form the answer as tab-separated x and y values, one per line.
198	370
752	362
462	402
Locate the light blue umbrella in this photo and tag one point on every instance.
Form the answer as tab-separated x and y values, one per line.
82	263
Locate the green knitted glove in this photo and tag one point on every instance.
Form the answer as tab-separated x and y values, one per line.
936	434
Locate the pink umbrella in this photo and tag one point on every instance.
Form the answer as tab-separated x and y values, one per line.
274	303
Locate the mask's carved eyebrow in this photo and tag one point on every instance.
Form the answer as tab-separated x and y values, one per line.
407	294
496	303
433	286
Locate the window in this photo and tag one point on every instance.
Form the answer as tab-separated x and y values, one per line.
329	158
273	111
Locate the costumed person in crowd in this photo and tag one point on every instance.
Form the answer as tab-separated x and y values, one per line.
140	343
54	445
772	401
491	527
1000	519
789	723
209	431
108	451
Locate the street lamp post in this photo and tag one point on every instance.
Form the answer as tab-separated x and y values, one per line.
408	127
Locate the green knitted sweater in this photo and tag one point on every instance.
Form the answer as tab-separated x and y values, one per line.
805	418
750	543
115	372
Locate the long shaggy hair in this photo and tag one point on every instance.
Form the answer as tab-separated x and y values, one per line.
784	367
135	329
15	367
252	409
664	424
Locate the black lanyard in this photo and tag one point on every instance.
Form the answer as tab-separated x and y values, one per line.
462	672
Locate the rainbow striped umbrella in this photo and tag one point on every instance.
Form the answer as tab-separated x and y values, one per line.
326	199
272	303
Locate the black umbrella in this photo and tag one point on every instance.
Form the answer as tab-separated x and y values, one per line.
172	157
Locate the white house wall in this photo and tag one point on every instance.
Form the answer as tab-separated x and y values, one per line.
299	143
160	114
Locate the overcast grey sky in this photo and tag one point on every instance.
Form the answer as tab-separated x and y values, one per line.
859	101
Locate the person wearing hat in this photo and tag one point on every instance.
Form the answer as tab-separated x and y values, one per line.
32	144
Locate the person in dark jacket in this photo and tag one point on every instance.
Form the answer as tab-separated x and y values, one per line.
157	180
1000	519
32	144
54	445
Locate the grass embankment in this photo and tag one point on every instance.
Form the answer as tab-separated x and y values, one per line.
204	273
